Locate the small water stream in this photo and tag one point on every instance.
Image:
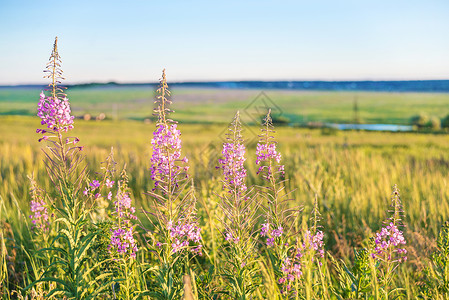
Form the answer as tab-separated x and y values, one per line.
373	127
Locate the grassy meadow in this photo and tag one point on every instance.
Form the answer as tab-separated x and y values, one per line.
350	173
196	105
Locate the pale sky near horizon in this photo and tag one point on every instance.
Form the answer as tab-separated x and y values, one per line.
228	40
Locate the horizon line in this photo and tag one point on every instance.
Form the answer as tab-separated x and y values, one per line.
111	82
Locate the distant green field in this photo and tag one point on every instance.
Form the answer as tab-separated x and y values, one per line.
219	105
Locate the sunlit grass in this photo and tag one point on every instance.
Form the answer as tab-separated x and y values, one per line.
351	172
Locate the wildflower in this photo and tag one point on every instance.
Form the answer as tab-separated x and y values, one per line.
291	271
267	155
271	235
40	214
232	165
168	170
311	242
230	238
109	183
122	239
55	113
266	152
277	232
265	229
166	152
185	233
94	184
123	207
387	241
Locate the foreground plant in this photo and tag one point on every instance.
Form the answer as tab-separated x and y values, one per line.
70	270
123	244
279	219
239	207
435	280
375	266
175	234
389	251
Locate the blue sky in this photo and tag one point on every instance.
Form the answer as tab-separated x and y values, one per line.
227	40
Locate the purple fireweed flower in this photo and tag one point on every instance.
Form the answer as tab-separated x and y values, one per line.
94	184
230	238
166	152
183	235
39	218
265	229
38	206
268	158
266	152
173	207
122	239
55	113
291	267
388	242
123	207
291	271
312	242
277	232
271	235
232	165
109	183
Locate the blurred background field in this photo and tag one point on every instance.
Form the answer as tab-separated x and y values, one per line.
215	105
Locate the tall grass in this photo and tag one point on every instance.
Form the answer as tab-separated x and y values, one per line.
229	233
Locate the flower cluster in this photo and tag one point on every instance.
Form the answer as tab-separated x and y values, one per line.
123	241
40	215
182	234
266	152
267	155
387	242
166	152
291	271
310	246
312	242
122	238
232	165
123	207
55	113
230	238
271	235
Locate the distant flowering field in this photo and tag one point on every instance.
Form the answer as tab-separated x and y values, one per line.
248	241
